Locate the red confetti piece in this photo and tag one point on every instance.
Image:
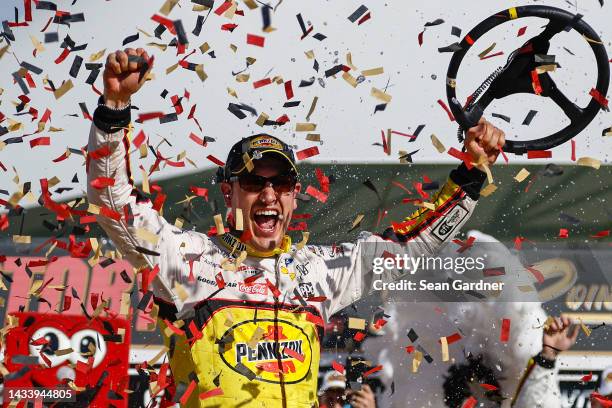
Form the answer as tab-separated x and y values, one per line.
539	154
220	281
384	142
605	402
283	119
419	189
573	157
601	234
505	331
257	40
211	393
107	212
499	271
215	160
599	98
410	349
27	4
448	111
420	38
169	24
288	90
294	354
463	156
199	191
359	336
102	182
395	132
143	117
188	392
223	8
315	319
262	82
489	387
87	219
322	179
563	233
503	154
470	403
4	222
63	157
535	82
40	141
174	329
197	139
246	236
372	370
537	274
175	163
99	153
521	31
364	18
229	27
306	153
273	289
587	378
453	338
338	367
319	195
497	54
62	56
469	40
464	246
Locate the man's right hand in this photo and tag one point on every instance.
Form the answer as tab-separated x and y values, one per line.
123	75
558	337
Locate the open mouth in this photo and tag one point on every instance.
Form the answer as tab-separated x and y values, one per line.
266	220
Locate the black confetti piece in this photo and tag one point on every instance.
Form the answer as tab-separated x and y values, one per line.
334	70
305	83
529	117
142	305
76	66
436	22
380	107
180	32
46	5
131	38
408	156
368	183
412	335
124	275
320	36
291	104
51	37
357	13
146	251
450	48
31	68
198	28
500	116
456	31
171	117
244	370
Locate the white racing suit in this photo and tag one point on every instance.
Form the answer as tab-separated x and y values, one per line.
253	332
539	386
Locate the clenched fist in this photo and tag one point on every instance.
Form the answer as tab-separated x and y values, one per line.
484	143
124	74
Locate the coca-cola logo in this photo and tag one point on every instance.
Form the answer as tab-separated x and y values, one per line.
254	289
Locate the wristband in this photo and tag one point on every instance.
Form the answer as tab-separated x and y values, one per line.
544	362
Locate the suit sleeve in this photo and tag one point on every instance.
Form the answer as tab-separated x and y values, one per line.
421	233
131	221
539	387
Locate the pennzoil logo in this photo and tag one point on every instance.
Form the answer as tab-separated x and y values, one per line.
265	141
274	350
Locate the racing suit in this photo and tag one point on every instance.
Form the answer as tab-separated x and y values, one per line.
253	332
539	385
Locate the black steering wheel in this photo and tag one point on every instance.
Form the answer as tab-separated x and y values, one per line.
516	75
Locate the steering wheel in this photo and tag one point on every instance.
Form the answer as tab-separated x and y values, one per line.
517	75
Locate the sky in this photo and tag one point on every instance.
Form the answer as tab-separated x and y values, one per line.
344	116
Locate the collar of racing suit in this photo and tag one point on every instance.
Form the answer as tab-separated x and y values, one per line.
232	243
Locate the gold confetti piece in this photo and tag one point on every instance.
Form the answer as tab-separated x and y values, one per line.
219	224
143	151
310	54
171	68
3	51
54	129
522	175
250	4
257	335
35	286
607	132
62	90
352	81
429	206
233	47
232	92
167	7
261	119
2	145
199	7
488	190
97	55
591	40
305	127
233	265
75	387
53	181
124	308
239	218
22	239
248	162
180	291
416	361
357	221
487	170
313	137
147	235
313	105
179	222
373	71
380	95
546	68
231	12
302	243
437	144
200	72
349	61
162	47
30	197
589	162
487	50
204	48
229	319
242	77
16	197
444	344
145	181
13	125
181	155
162	352
278	80
144	32
526	288
93	209
37	44
356	323
388	142
585	329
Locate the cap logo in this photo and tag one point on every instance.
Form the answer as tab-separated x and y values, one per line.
265	141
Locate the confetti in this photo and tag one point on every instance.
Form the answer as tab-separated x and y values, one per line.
256	40
380	95
522	175
539	154
306	153
505	331
589	162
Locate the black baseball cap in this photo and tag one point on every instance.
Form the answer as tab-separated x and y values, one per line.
255	147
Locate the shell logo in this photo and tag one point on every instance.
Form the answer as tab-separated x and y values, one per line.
275	350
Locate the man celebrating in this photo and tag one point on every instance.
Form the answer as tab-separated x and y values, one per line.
243	311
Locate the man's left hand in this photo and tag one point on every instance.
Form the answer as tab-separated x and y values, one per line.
484	143
363	398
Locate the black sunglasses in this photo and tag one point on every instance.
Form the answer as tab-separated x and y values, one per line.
254	184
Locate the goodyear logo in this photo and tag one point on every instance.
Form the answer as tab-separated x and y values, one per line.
272	349
265	141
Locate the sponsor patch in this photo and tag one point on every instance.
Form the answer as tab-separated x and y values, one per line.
265	141
447	224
